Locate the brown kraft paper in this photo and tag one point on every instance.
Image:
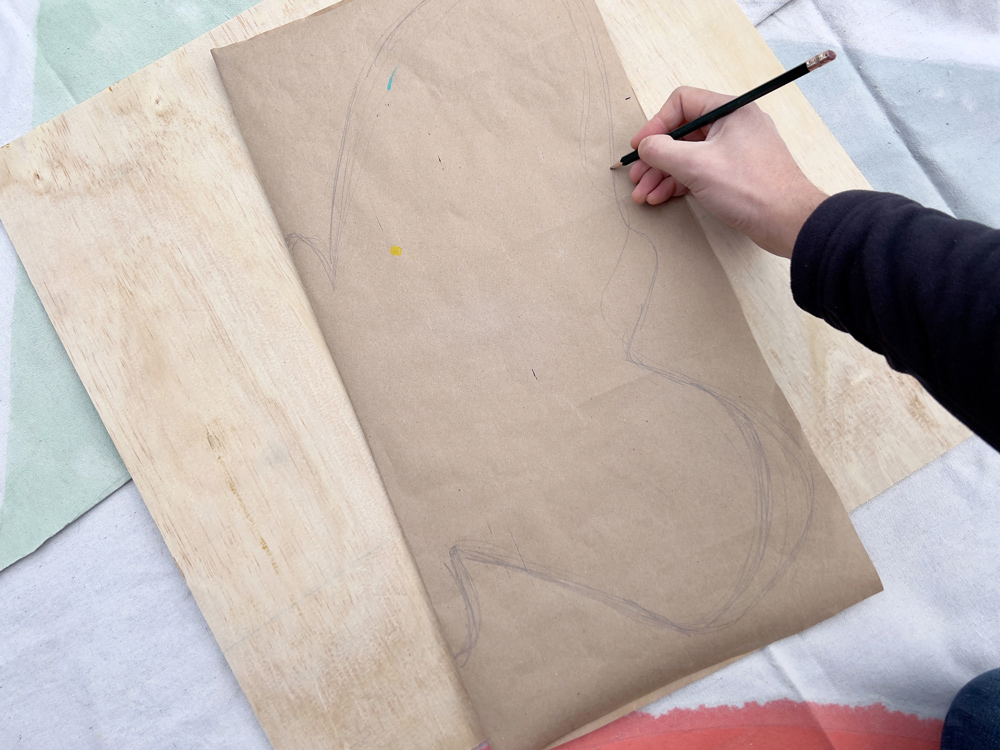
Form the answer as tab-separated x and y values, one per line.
601	484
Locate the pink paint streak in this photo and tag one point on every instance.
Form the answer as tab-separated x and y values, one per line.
778	725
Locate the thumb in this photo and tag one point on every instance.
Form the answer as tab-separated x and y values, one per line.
669	156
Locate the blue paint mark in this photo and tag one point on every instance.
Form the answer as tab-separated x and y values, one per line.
389	87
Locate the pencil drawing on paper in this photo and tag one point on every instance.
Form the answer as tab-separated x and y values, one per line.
367	93
772	547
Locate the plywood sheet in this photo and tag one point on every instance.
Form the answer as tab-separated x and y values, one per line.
140	222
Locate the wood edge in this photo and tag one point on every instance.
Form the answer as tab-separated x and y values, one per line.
644	701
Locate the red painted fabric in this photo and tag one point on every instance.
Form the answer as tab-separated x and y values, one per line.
777	725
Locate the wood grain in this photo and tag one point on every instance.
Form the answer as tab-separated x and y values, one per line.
141	224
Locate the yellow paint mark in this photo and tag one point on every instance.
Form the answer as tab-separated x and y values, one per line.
395	250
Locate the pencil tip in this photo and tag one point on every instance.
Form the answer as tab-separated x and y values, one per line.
616	165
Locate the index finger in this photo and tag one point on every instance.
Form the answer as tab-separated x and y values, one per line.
684	104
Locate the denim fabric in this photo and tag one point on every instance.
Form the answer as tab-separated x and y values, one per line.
973	721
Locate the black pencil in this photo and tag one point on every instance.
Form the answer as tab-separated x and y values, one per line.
729	107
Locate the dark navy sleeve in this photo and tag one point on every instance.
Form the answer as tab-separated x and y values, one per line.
915	285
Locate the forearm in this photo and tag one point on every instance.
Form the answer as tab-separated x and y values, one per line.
915	285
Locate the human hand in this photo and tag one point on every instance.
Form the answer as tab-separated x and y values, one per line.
738	168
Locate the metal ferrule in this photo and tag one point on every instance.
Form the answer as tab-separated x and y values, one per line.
820	60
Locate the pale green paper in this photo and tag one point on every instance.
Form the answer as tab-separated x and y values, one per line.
60	459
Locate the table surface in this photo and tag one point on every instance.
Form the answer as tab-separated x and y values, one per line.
107	639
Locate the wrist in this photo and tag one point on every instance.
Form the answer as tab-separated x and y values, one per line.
789	217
